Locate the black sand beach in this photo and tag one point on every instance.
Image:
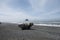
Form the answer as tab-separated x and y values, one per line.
10	31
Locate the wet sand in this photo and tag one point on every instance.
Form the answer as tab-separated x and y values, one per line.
9	31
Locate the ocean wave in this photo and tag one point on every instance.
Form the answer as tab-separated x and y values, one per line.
51	25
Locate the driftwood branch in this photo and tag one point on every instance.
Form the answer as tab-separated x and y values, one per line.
25	26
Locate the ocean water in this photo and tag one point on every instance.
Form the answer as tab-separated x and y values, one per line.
52	23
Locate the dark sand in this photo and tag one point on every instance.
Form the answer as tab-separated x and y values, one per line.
9	31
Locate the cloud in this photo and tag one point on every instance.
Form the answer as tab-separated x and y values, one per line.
16	10
46	9
38	5
8	14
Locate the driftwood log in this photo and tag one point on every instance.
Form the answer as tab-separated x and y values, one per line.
25	26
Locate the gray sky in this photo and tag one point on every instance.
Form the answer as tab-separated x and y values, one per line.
18	10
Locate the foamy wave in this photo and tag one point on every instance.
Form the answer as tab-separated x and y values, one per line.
51	25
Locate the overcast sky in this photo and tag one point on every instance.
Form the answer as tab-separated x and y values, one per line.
18	10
